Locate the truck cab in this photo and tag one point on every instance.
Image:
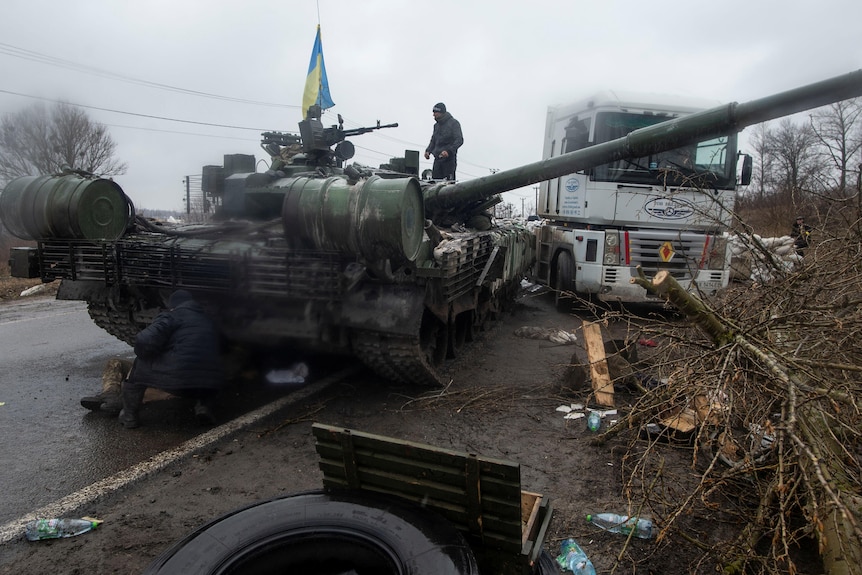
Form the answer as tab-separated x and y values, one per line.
662	210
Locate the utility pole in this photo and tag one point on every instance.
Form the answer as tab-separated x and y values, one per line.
188	197
536	205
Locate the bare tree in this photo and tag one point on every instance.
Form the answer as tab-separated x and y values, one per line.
761	181
838	129
38	141
796	155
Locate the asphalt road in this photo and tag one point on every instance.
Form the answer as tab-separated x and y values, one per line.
52	354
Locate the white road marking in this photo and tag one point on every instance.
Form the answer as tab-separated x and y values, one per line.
74	501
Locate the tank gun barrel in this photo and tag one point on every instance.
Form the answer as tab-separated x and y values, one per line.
660	137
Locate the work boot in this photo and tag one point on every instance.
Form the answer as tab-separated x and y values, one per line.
110	400
107	401
204	413
133	397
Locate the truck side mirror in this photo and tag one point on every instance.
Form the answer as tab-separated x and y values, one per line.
747	166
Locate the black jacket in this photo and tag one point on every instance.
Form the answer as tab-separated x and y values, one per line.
179	350
446	136
801	235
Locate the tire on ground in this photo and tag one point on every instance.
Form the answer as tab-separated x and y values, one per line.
322	533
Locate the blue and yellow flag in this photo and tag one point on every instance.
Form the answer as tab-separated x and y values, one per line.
316	84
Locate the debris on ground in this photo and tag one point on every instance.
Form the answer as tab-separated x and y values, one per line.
558	336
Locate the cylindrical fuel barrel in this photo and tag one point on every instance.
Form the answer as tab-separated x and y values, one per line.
376	218
70	206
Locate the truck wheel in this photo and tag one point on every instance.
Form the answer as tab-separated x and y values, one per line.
323	534
564	282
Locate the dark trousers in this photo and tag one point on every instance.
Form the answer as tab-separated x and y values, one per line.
444	168
201	393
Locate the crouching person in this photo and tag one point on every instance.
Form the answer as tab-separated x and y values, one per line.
178	353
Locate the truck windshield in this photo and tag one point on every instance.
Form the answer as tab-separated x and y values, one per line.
707	164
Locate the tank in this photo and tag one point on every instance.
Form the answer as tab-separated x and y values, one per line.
315	256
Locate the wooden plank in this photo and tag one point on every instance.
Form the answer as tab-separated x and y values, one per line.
451	475
479	495
530	505
473	489
684	420
435	494
603	387
367	442
546	512
349	461
706	411
497	501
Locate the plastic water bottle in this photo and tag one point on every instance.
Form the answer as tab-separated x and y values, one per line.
57	528
624	524
594	421
573	558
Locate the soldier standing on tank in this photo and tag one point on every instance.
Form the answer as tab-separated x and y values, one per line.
445	141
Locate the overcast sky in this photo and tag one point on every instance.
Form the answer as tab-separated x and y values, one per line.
496	65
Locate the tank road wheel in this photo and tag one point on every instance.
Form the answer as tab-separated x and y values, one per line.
322	534
433	339
564	282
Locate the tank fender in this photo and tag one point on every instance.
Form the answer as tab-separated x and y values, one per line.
82	290
390	308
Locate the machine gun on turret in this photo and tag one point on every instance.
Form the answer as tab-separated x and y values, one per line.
315	142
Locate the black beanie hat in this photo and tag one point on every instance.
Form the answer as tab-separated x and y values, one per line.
178	297
439	107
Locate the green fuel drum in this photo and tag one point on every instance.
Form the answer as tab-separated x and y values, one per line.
69	206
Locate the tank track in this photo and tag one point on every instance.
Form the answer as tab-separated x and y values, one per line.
118	323
399	358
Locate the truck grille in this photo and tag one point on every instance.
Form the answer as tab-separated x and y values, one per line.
687	257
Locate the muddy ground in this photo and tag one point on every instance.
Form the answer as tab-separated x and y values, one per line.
501	403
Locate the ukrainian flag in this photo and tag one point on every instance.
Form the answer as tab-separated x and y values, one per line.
316	84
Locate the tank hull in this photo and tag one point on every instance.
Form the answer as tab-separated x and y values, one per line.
269	296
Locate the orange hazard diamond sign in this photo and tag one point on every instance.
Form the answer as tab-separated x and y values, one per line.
666	252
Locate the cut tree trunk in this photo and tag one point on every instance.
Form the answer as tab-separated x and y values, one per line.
836	506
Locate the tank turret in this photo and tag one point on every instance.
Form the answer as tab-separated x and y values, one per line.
313	255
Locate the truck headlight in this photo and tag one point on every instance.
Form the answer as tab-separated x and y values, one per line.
612	248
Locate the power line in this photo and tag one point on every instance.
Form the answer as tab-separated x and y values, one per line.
180	133
31	55
25	54
38	57
149	116
383	154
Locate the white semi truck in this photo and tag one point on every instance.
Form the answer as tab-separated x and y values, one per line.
663	210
